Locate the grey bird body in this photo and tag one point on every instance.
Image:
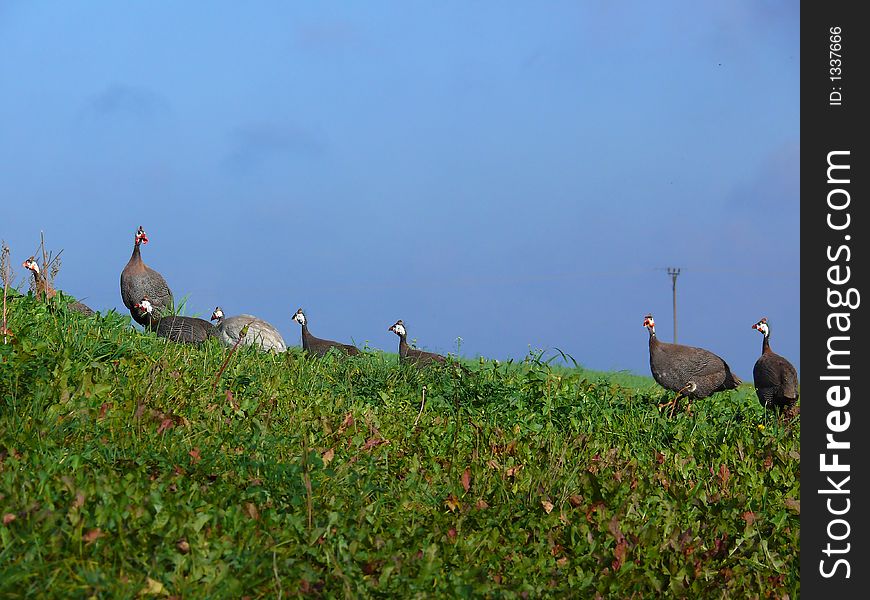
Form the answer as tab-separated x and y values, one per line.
138	281
317	346
674	367
45	291
410	355
260	333
689	371
775	378
185	330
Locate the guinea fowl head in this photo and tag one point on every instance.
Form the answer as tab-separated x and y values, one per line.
762	327
30	264
398	328
299	317
141	236
649	323
217	315
144	306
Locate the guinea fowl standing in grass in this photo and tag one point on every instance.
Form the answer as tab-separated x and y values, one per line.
45	291
317	346
689	371
260	333
413	355
776	380
187	330
138	280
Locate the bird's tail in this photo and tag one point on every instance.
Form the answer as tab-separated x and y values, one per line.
735	380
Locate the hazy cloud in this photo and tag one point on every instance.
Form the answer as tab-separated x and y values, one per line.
254	144
120	100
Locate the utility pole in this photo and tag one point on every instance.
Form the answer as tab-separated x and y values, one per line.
673	272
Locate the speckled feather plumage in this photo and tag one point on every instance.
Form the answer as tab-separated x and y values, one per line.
775	378
260	333
410	355
138	281
186	330
320	347
674	366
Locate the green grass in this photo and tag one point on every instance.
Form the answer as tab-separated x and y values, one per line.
126	469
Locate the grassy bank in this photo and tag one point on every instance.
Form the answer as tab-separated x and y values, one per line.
128	467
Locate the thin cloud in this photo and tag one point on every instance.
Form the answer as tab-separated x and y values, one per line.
120	100
255	144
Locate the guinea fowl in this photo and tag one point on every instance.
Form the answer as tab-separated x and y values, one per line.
413	355
260	333
317	346
775	378
187	330
689	371
45	291
138	280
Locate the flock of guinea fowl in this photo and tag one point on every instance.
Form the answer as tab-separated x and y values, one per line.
690	372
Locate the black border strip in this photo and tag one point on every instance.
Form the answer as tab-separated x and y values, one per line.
834	261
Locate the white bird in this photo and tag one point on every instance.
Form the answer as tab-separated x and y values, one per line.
260	333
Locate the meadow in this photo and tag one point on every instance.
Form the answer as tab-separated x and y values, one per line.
132	467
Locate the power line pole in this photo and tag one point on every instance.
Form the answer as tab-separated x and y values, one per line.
673	272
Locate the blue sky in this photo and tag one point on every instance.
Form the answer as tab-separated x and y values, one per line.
516	174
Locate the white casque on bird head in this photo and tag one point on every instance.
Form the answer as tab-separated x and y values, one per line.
217	315
141	236
398	328
762	327
299	317
649	323
31	265
144	306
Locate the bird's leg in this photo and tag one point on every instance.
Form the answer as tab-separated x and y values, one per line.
672	403
689	387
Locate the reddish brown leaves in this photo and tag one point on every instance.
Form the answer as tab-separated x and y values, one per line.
481	504
466	479
251	511
164	425
793	504
348	422
183	546
615	531
619	554
79	501
327	456
511	472
724	475
194	455
749	517
373	442
592	508
93	535
451	502
8	518
548	506
621	550
104	408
